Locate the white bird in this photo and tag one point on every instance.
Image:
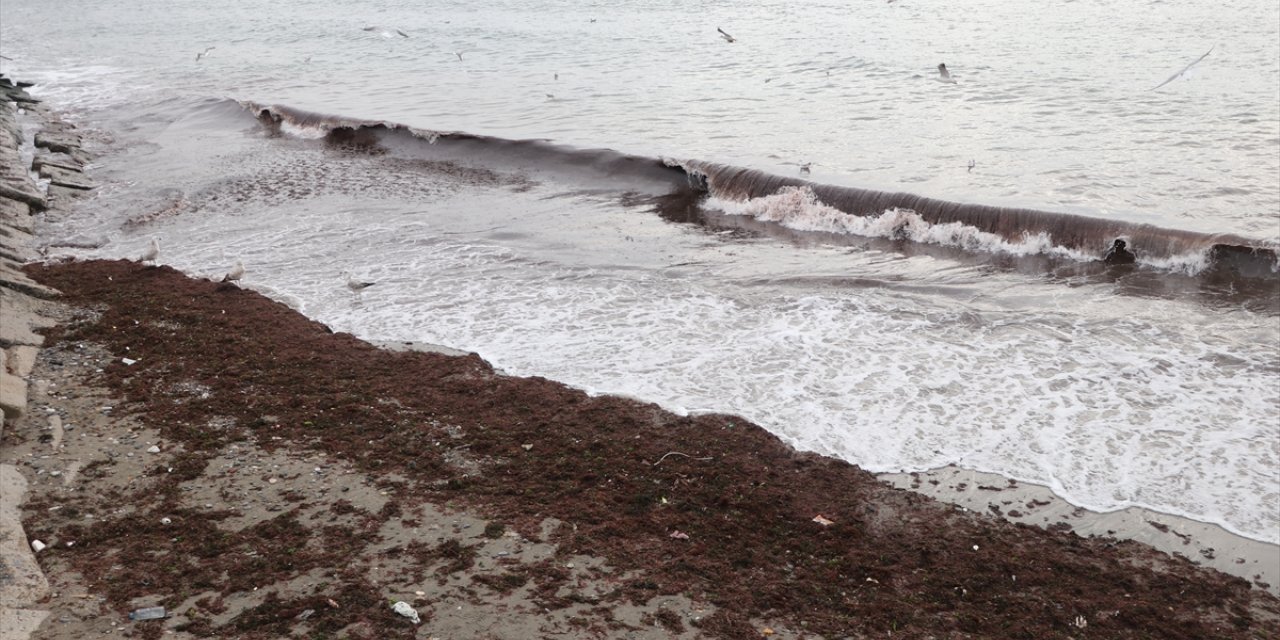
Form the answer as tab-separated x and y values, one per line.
944	75
727	37
204	53
459	54
1184	69
804	168
972	164
151	253
356	285
236	272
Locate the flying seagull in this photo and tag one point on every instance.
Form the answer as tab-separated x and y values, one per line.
357	285
204	53
151	253
727	37
944	75
236	272
459	54
1184	70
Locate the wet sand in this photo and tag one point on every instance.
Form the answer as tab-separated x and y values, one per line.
301	471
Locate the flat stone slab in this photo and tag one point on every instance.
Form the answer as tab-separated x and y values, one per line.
19	624
18	281
60	160
69	178
58	141
13	404
20	360
21	318
22	583
17	214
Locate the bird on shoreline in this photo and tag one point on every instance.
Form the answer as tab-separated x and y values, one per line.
236	272
151	253
727	37
804	168
972	164
1184	69
356	285
204	53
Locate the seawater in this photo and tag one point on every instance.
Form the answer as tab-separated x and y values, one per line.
1155	387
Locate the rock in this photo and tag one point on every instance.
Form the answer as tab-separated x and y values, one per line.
153	449
69	178
58	141
16	214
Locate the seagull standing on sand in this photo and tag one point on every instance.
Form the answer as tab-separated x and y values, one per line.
236	272
727	37
204	53
356	285
1184	69
151	253
944	75
804	168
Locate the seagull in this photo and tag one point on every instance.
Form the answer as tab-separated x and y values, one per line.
236	272
1184	70
972	164
727	37
151	253
356	285
204	53
550	97
804	168
944	75
459	54
402	34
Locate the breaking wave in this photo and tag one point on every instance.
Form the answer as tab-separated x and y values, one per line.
806	206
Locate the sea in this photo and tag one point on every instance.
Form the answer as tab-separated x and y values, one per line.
779	210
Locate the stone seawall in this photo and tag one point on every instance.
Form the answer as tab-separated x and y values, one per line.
25	310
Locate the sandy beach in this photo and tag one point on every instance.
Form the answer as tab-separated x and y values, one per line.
196	446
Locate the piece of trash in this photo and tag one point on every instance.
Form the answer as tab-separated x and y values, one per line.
37	546
306	614
679	535
823	521
766	631
975	547
527	447
147	613
153	449
331	602
664	500
405	609
272	480
128	361
419	593
166	521
71	543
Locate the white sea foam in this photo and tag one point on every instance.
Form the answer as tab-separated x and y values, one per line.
799	208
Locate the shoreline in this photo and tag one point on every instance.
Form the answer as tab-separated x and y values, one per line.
1203	543
751	533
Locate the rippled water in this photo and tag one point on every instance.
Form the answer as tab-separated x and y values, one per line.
1113	388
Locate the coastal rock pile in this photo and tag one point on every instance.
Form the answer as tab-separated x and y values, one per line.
24	306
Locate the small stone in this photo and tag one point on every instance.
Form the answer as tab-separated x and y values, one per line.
166	521
273	480
37	546
154	449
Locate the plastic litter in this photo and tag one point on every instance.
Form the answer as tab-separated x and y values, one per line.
405	609
37	546
679	535
128	361
147	613
823	521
